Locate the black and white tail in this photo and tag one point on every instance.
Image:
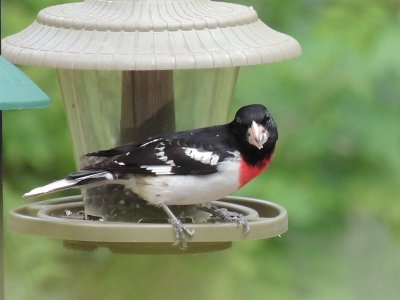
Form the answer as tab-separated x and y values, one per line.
74	180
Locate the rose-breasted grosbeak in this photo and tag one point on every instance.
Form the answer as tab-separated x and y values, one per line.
188	167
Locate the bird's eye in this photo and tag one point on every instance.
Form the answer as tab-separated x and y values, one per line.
267	118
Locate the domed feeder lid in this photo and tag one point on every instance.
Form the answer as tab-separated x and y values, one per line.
62	219
148	35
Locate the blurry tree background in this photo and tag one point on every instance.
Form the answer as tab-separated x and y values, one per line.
336	170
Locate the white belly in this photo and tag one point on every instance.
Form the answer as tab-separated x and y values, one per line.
187	189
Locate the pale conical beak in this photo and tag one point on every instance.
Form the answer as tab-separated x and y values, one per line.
257	135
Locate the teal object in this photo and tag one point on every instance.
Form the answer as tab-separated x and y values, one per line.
17	91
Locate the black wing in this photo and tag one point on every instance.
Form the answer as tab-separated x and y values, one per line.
195	152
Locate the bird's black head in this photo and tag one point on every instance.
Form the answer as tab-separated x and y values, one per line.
255	131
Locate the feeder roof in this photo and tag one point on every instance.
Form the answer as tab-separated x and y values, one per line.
148	35
17	90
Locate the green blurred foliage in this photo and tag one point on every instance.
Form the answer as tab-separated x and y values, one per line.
336	170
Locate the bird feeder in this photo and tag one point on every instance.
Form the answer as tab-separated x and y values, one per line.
137	68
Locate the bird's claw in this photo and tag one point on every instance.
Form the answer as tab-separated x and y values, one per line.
181	231
224	215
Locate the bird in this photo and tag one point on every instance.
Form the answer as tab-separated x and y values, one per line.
191	167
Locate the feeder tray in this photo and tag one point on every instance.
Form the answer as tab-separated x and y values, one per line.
63	218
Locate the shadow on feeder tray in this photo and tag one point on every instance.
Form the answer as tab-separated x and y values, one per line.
116	203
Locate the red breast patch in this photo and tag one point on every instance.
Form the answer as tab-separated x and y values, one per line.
248	172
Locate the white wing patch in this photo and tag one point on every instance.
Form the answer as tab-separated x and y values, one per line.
160	147
158	170
160	154
205	157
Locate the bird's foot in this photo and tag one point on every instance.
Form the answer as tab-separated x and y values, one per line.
181	232
224	215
